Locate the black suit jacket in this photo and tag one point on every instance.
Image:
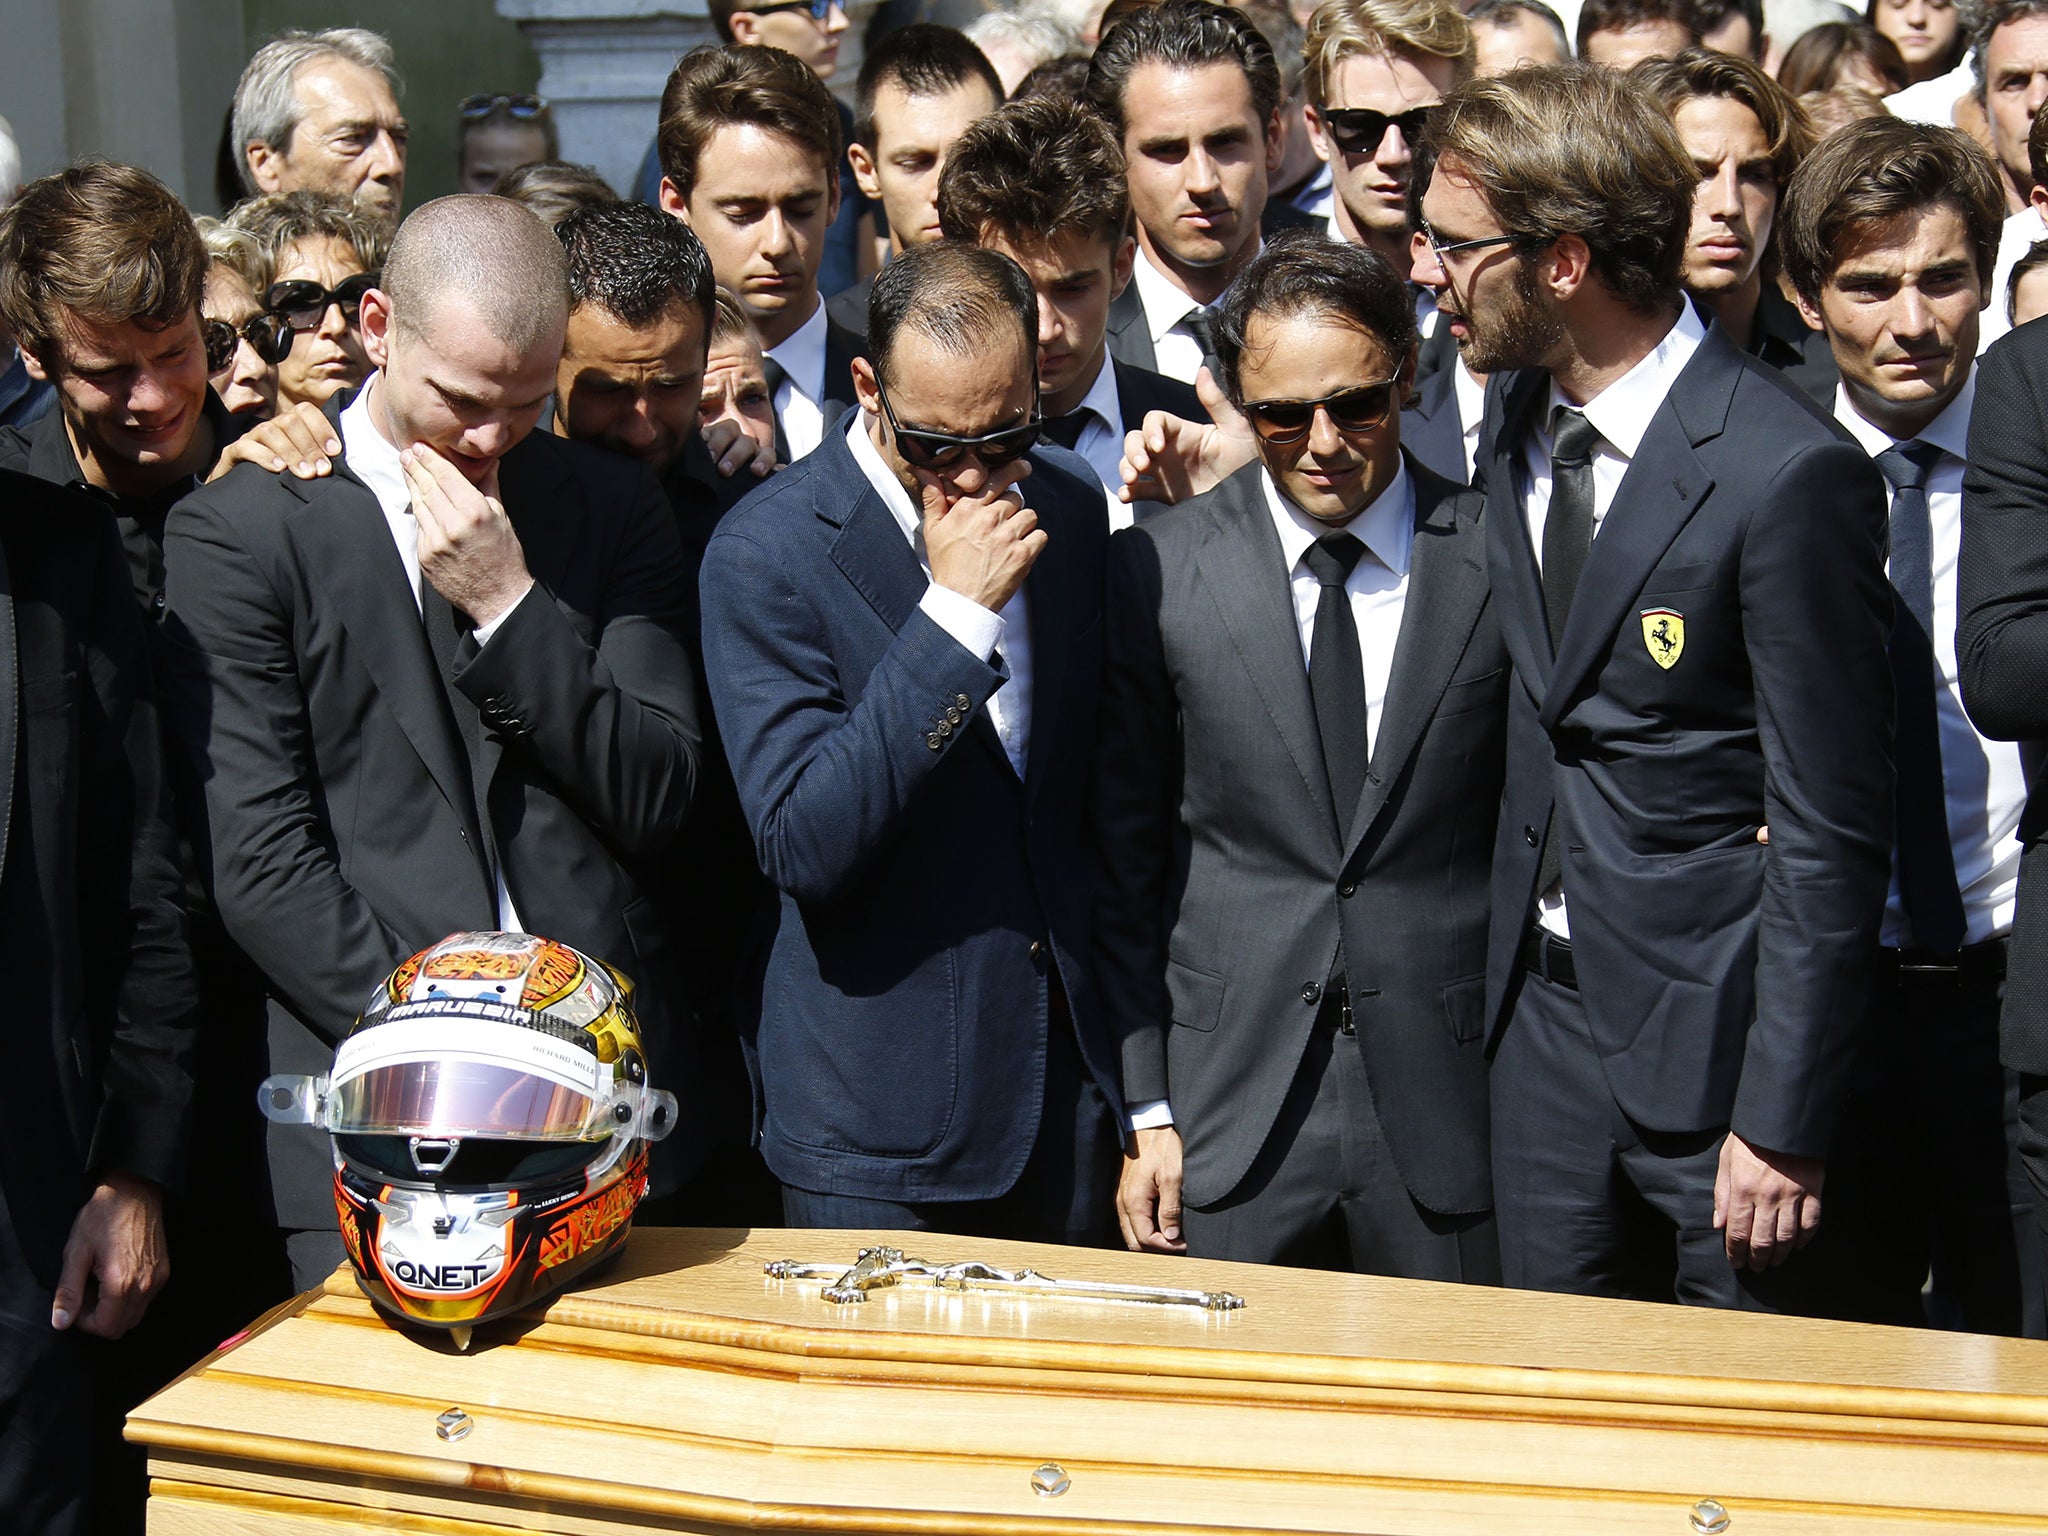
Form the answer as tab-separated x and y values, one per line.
1139	390
2002	639
1785	341
848	308
99	1027
928	897
343	833
1130	341
1433	431
1228	897
1722	980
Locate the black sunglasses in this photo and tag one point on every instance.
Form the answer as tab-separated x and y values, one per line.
304	303
1359	130
270	335
819	9
942	450
523	106
1360	408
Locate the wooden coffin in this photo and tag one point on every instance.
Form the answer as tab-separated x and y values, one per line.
690	1392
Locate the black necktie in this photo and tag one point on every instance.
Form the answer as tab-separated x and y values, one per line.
1066	430
1336	673
1927	866
1567	537
1201	324
777	376
445	629
1568	524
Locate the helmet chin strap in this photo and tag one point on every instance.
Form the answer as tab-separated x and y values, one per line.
430	1155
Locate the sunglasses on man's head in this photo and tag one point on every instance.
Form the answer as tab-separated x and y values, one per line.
270	335
304	303
1360	408
942	450
524	106
1359	130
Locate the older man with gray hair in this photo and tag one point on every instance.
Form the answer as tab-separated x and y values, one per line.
318	112
444	688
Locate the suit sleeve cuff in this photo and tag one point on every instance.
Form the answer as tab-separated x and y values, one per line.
483	632
977	629
1149	1115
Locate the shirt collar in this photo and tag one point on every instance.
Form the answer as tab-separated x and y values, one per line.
802	356
1622	412
1950	431
372	457
1166	303
1102	397
1386	527
865	454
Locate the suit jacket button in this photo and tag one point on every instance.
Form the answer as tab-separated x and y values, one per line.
953	717
961	701
934	741
1348	889
1535	838
1311	992
1039	958
944	728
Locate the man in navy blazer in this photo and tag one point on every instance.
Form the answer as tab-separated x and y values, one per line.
903	636
1686	564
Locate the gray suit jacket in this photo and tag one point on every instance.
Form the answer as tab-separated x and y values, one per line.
1228	901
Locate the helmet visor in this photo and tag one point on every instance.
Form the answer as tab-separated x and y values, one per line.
424	1075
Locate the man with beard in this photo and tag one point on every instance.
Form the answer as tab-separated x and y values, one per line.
1686	561
1745	137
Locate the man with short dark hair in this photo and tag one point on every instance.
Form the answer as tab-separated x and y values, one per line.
1673	537
1732	26
1305	704
749	148
318	112
447	687
1889	234
1746	137
1620	33
920	87
1192	92
902	634
1506	34
1042	181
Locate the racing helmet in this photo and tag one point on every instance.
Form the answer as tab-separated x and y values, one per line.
491	1115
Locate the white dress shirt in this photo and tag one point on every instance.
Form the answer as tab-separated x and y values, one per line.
1471	397
1621	413
2015	238
1934	101
1102	441
800	398
1175	352
975	627
1378	589
374	459
1983	782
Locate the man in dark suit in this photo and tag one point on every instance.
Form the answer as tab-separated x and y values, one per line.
447	687
101	1019
1042	181
902	634
749	142
1193	95
2002	578
1889	232
1303	723
1435	429
1673	1001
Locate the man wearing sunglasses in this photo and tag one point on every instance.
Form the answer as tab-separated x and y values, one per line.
1685	561
1304	710
901	633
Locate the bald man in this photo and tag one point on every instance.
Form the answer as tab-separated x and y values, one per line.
445	688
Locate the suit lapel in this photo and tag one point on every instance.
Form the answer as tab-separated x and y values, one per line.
1050	599
1129	337
1664	485
1246	571
1447	591
348	543
841	348
1510	560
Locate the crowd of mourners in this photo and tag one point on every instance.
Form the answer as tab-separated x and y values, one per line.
1391	636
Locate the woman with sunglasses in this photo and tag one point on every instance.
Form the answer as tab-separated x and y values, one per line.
318	256
243	344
